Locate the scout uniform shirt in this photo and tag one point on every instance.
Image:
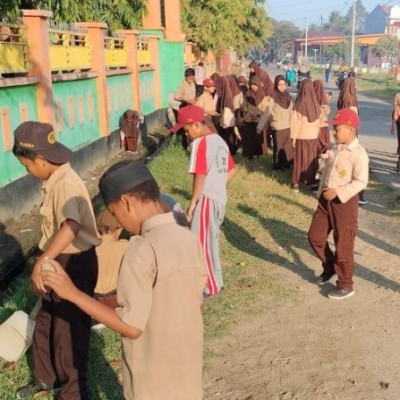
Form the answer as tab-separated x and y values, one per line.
346	171
160	292
66	197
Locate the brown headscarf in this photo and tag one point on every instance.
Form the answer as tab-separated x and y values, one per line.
319	92
306	102
281	98
268	86
348	95
233	85
130	123
225	95
242	82
255	98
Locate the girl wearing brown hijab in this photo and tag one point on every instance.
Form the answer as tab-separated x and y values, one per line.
324	134
348	96
130	126
304	130
266	81
254	104
278	114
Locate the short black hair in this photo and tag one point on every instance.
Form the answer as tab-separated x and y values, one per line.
20	151
189	72
147	191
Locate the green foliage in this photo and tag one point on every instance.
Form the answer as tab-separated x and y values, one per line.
118	14
342	50
281	41
343	24
218	24
386	46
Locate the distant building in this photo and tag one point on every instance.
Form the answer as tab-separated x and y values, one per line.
383	19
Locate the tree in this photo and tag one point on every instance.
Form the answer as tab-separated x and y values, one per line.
361	15
282	39
335	22
218	24
386	46
118	14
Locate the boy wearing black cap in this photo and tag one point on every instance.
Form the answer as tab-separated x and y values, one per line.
62	332
344	175
159	291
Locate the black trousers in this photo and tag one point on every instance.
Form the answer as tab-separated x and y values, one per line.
62	333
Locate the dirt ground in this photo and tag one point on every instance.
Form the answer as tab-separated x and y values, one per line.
316	348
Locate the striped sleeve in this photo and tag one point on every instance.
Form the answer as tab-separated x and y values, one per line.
198	157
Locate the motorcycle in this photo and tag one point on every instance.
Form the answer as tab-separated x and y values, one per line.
301	76
340	80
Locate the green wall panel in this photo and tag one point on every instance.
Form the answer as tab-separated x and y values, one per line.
16	104
120	98
147	92
76	112
172	66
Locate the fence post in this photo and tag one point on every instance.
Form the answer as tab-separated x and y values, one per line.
96	34
155	63
131	42
36	25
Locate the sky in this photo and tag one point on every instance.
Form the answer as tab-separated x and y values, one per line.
297	11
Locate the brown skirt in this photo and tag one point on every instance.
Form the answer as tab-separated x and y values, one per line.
305	161
324	139
253	144
282	148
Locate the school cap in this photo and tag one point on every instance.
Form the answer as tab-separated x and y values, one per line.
40	138
187	115
208	82
122	177
107	221
345	116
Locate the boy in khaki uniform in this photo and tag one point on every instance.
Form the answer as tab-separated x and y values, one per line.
62	332
109	254
344	175
159	291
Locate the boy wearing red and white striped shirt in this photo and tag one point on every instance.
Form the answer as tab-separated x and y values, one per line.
212	167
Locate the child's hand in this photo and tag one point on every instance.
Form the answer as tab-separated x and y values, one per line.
329	194
190	210
59	281
36	283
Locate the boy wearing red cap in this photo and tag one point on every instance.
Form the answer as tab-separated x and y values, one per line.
212	167
62	333
344	175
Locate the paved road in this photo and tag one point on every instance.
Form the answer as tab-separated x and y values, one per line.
374	134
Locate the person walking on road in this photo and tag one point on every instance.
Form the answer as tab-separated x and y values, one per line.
396	122
344	175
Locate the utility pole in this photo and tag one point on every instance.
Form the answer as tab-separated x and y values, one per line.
353	28
306	44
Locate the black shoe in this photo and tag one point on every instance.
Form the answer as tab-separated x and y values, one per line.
324	278
32	389
362	200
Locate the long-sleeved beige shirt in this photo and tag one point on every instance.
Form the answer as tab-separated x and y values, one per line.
301	128
345	170
278	116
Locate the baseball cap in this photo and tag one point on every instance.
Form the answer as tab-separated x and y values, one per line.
345	116
122	177
41	139
187	115
208	83
105	220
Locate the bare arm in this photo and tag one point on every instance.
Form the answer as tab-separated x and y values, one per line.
231	173
198	183
60	282
65	235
